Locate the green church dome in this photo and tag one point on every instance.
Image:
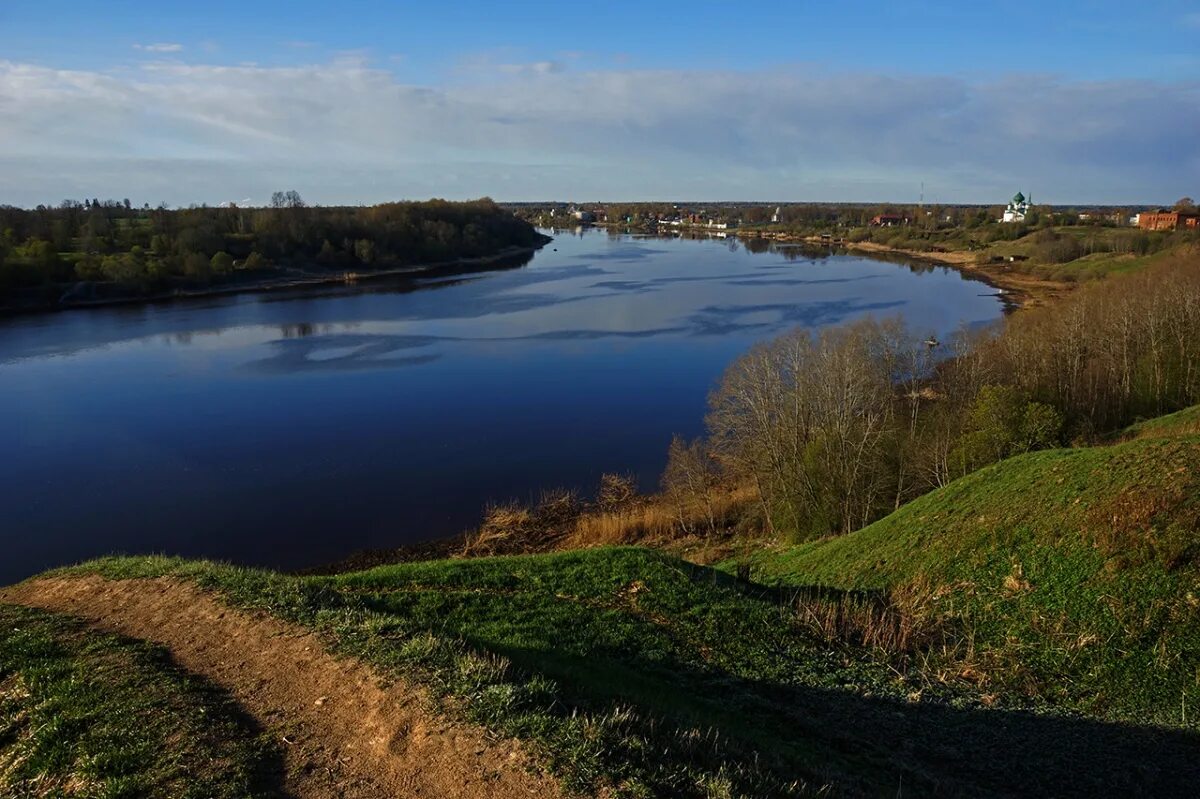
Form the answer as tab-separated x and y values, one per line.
1018	198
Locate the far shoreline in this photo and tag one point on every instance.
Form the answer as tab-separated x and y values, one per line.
283	282
1016	290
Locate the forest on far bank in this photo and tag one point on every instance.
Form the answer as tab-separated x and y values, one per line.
133	250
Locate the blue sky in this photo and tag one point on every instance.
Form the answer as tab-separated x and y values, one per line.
362	102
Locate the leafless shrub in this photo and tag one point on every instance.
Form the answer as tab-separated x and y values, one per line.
690	481
502	524
616	491
511	528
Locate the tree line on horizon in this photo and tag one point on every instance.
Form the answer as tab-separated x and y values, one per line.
147	249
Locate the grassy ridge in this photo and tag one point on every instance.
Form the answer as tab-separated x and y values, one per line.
622	666
1180	423
87	714
1074	573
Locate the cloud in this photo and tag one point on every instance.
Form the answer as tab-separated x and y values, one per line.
345	131
160	47
535	68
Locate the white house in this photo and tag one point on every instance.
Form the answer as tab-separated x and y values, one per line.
1017	209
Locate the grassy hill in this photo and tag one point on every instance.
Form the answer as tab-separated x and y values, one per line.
1069	575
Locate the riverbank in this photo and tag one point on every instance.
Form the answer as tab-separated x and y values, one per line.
1018	289
281	280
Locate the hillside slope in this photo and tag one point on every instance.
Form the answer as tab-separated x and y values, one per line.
631	673
1070	575
1180	423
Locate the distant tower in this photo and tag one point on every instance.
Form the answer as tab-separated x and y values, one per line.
1018	208
921	203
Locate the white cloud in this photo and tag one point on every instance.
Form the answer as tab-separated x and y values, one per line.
347	132
160	47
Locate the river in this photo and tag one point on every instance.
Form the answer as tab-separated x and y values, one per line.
292	428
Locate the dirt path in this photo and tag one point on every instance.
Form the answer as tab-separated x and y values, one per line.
344	734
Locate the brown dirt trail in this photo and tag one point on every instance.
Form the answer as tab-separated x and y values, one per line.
345	733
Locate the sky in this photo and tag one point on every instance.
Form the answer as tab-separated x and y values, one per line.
362	102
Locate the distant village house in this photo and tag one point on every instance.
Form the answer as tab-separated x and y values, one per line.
888	220
1169	220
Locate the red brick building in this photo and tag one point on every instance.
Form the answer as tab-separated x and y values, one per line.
1169	220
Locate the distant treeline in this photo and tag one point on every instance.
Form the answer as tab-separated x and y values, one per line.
810	217
148	249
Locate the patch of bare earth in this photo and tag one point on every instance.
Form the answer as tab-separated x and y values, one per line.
345	732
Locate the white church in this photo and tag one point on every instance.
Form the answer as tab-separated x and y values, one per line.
1017	208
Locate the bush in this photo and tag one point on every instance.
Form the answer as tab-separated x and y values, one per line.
221	263
1056	248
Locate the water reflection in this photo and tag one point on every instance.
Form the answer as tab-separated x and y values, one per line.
313	351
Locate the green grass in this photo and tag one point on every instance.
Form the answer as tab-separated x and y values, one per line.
621	666
92	715
631	669
1074	575
1185	422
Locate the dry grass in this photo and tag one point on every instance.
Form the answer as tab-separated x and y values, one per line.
1160	523
904	624
619	516
658	519
511	528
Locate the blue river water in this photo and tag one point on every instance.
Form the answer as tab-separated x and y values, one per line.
293	428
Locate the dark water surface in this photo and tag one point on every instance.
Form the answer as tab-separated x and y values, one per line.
292	429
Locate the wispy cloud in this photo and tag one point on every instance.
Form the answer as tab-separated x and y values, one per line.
533	68
345	131
159	47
